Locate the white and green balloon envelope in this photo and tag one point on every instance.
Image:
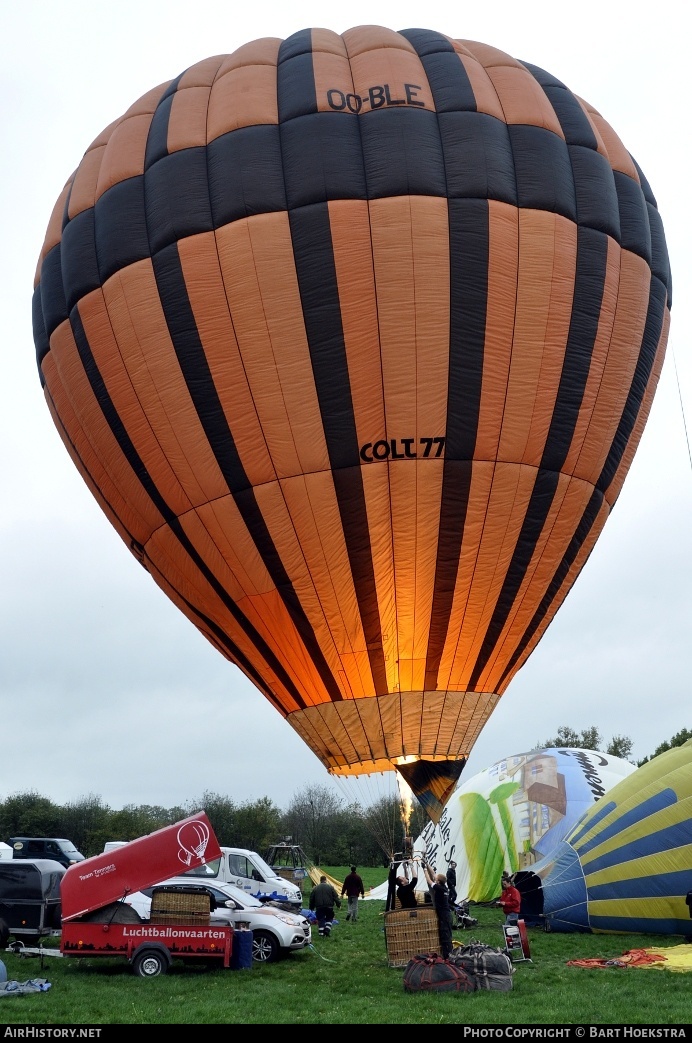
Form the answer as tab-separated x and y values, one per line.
514	813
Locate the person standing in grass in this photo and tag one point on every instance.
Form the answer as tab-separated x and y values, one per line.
323	898
353	889
440	898
510	900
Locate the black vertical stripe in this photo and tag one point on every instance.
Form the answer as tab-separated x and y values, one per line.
473	159
469	245
469	248
456	486
157	138
650	339
592	249
41	342
583	529
534	520
200	382
448	79
572	118
222	641
140	471
589	283
295	77
319	293
640	381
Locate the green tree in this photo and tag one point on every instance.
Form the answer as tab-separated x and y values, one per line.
29	815
679	739
589	739
620	746
311	820
258	824
222	813
85	823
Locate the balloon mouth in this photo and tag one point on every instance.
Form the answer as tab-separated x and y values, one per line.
432	780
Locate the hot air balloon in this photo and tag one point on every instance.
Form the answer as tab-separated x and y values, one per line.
627	864
353	338
513	814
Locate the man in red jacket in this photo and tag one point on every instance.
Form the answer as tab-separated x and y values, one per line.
510	900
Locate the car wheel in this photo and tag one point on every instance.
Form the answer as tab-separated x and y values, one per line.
265	948
150	963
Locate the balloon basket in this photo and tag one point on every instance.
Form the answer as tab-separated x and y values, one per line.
409	932
177	906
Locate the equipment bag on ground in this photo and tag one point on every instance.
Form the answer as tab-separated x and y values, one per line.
491	968
429	972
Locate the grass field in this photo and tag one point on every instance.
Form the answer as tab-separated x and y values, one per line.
346	980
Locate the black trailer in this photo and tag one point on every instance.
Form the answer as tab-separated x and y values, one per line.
29	899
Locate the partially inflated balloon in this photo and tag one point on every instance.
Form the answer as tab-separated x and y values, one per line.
354	338
513	814
626	865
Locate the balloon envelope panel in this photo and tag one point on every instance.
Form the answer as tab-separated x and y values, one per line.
627	864
515	812
354	338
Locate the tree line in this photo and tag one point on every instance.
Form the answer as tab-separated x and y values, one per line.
328	832
619	745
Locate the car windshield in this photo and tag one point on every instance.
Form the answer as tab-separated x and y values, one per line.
210	870
263	867
244	899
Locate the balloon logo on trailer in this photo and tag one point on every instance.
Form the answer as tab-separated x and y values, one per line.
354	338
193	838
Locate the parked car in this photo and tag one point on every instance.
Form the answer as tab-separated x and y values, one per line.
275	931
56	848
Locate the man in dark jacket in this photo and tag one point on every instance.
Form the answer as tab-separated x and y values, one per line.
452	883
406	890
323	898
353	889
440	897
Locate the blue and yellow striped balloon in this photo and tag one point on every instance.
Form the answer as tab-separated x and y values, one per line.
627	864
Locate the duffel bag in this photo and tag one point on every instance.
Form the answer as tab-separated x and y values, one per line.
429	972
491	968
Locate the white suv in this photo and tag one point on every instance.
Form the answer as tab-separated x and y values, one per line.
275	931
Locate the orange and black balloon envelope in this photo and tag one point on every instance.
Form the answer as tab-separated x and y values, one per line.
354	338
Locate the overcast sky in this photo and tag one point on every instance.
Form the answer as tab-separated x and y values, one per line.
105	688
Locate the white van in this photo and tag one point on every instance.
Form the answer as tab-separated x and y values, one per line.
246	870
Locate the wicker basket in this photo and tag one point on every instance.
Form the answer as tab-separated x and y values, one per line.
179	906
409	932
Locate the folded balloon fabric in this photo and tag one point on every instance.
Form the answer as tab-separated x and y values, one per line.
633	958
675	958
21	988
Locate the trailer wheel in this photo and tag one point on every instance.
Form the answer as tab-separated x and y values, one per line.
150	962
265	948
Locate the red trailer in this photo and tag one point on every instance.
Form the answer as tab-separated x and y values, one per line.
96	921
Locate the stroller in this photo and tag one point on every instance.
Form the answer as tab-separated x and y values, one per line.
461	917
